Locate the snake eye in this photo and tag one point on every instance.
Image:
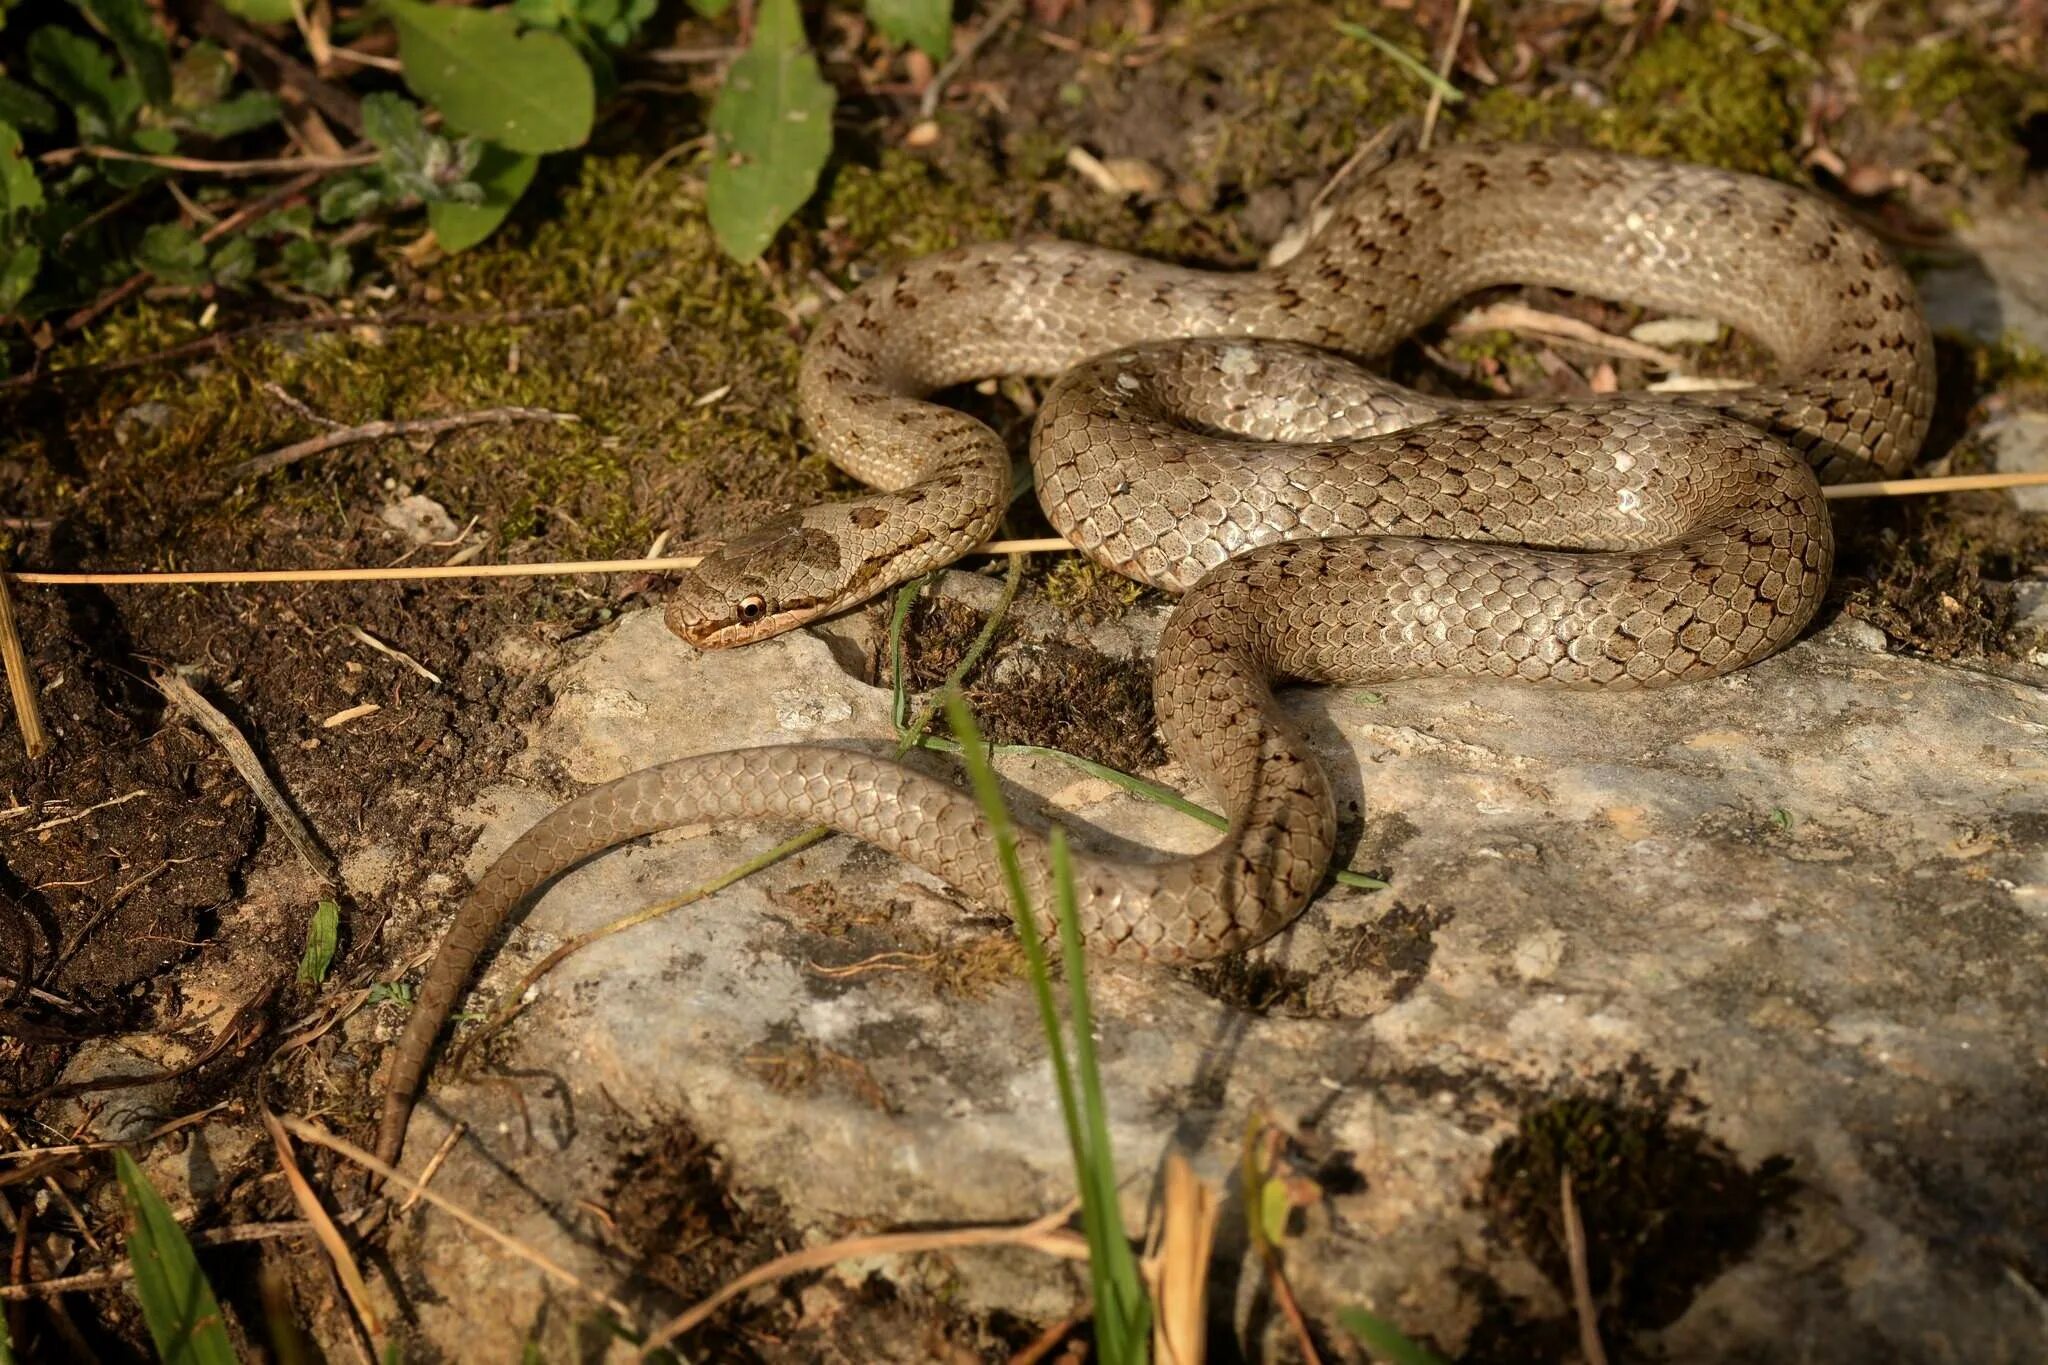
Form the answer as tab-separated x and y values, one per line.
751	609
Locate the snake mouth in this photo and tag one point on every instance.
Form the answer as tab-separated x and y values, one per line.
724	630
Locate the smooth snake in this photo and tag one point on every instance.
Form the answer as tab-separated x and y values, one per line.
1325	525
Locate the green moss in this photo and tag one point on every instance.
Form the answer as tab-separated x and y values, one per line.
2013	366
908	205
1704	92
1664	1206
638	314
1967	104
1722	88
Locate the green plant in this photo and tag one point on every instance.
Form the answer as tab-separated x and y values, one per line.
1122	1309
322	934
126	134
177	1303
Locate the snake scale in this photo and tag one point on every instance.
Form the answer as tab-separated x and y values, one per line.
1209	436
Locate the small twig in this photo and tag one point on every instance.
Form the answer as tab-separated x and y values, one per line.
277	165
395	654
21	682
401	426
121	800
1044	1235
331	1241
79	1148
312	1133
1443	74
1882	488
997	20
687	56
298	405
186	698
1517	317
1582	1280
118	1274
433	1167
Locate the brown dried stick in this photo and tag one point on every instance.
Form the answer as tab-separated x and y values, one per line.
401	426
21	682
209	718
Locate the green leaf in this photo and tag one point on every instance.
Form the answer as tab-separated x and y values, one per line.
245	112
1274	1207
24	107
926	23
504	176
139	41
711	9
174	254
1402	58
316	269
349	200
260	11
20	191
234	264
773	125
527	92
177	1303
18	275
81	75
321	936
1384	1339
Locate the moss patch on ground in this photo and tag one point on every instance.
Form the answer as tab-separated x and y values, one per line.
1665	1207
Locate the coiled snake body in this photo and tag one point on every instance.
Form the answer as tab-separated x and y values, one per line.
1323	524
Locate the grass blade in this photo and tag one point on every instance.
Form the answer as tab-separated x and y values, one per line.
1404	59
177	1303
1122	1312
321	936
1383	1339
1120	1298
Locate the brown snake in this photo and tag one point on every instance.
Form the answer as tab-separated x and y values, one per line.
1324	525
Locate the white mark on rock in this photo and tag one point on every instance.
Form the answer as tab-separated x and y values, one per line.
799	710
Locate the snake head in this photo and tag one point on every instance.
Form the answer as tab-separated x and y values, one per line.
785	573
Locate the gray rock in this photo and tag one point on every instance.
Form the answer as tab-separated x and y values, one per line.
1818	888
2019	445
2001	288
117	1113
419	519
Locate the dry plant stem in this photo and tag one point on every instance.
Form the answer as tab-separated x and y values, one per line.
186	698
116	1274
1044	1235
320	1137
21	682
1443	74
1519	317
1582	1281
433	1166
281	165
403	426
331	1240
1177	1275
934	91
80	1148
1881	488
